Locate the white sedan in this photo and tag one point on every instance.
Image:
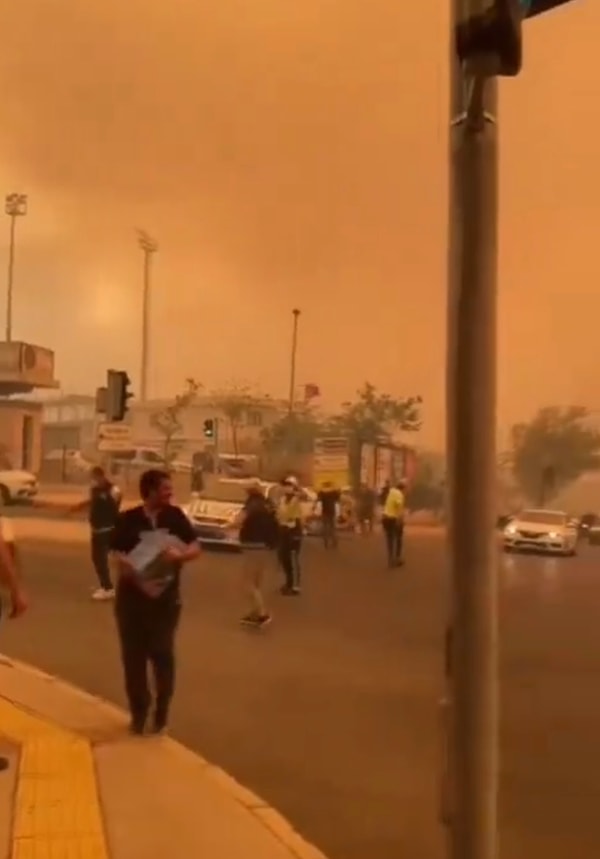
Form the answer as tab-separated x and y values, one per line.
548	531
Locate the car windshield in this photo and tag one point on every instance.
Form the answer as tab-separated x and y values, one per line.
543	517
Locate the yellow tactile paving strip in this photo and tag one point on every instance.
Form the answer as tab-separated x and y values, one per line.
57	811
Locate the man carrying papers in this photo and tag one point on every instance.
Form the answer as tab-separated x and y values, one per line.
151	543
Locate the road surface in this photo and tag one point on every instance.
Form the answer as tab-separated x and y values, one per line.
331	714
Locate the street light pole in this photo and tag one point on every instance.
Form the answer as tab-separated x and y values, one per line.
472	639
15	207
296	316
149	247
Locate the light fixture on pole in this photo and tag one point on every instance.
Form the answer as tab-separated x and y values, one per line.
296	316
15	207
149	247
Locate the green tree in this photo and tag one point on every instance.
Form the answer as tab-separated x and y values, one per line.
551	451
235	401
168	423
292	434
373	417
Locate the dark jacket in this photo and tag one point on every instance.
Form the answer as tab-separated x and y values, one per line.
259	527
104	506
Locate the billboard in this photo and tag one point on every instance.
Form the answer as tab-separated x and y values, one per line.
331	462
27	366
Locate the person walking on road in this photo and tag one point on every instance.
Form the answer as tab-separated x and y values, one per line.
366	502
9	582
329	499
258	534
103	506
147	610
291	529
392	522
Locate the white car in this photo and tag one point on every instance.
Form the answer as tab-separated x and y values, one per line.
17	485
549	531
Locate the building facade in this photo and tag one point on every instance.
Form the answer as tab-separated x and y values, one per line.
71	422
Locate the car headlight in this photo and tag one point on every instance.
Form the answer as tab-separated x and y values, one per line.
510	530
554	535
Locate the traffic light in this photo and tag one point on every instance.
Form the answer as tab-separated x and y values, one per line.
209	428
537	7
494	36
117	394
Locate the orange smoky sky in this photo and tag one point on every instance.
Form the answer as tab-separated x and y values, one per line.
291	154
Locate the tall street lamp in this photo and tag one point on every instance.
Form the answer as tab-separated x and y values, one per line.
296	316
149	247
15	206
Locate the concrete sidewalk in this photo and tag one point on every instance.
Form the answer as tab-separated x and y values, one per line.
80	786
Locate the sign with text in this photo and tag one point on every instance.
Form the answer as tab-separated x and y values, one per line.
331	462
113	437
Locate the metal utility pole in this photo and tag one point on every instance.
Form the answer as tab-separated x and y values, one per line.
296	315
15	207
149	247
472	640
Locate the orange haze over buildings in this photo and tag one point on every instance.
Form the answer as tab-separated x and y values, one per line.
291	154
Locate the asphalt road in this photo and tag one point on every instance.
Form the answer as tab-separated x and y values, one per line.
331	714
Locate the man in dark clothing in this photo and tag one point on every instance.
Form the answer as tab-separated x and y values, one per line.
366	502
102	506
329	498
147	608
291	528
258	536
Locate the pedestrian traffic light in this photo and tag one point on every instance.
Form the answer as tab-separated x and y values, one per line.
209	428
117	394
494	36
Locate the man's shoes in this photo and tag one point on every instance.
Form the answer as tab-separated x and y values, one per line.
137	726
103	594
250	619
4	764
256	620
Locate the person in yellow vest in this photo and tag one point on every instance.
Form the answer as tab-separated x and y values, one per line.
392	521
291	529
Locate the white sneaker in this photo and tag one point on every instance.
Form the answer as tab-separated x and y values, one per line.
103	594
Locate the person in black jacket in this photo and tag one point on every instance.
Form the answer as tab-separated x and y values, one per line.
102	506
258	537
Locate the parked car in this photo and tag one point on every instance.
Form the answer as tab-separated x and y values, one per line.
213	518
17	485
588	523
142	458
548	531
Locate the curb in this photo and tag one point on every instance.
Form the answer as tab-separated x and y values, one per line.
268	817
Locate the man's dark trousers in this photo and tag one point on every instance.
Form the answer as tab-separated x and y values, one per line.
100	546
391	529
147	630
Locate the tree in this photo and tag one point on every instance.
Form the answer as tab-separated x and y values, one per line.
372	418
427	490
235	402
168	420
292	434
373	415
552	451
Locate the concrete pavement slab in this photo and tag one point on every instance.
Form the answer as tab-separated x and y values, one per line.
84	787
8	783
